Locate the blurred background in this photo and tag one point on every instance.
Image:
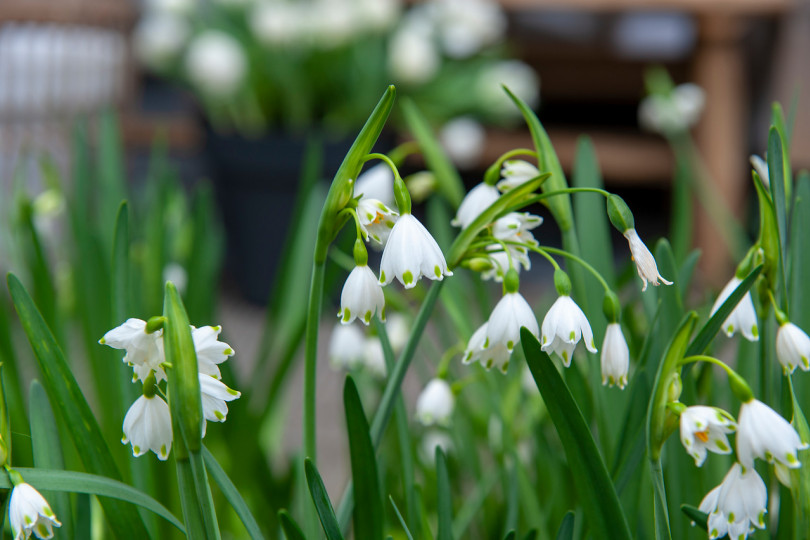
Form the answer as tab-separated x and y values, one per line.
233	94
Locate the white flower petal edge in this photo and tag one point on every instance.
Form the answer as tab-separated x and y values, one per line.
362	297
563	326
761	167
144	352
510	314
743	317
214	395
495	355
29	512
737	504
435	404
516	172
376	219
705	428
615	357
148	425
792	348
411	252
210	351
645	262
477	200
763	433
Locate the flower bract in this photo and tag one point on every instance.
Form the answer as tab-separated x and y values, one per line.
763	433
411	252
362	297
615	358
29	512
705	428
737	505
645	262
563	326
148	426
743	318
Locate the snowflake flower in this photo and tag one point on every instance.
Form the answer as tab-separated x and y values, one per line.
435	404
29	512
705	428
792	347
362	297
615	358
763	433
563	326
411	252
743	318
645	262
737	505
148	426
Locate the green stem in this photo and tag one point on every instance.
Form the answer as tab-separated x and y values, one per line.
581	262
192	513
662	529
537	198
541	251
387	160
311	357
204	498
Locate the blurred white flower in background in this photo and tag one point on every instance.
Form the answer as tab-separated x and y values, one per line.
518	77
346	347
674	113
176	7
159	39
277	23
412	56
435	404
463	139
465	27
216	63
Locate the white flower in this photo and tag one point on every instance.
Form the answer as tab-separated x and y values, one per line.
210	351
175	273
510	314
563	326
435	403
216	63
763	433
412	56
743	318
737	504
495	355
792	347
677	112
148	425
513	227
398	331
29	512
277	23
463	139
516	172
376	182
376	219
362	297
689	100
705	428
477	200
430	441
467	26
214	394
159	39
615	357
645	262
374	358
144	352
518	77
346	347
378	15
411	252
761	167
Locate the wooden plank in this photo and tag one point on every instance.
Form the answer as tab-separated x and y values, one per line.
698	7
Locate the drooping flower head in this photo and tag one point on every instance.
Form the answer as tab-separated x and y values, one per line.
362	296
705	428
148	426
411	252
376	219
495	355
763	433
737	505
516	172
615	357
645	262
144	351
376	183
346	347
210	351
477	200
29	512
435	404
214	394
510	314
743	318
792	347
563	326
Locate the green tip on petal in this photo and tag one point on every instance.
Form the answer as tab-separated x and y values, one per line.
437	271
407	277
219	416
136	450
102	341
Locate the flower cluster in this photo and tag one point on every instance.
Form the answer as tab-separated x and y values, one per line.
147	424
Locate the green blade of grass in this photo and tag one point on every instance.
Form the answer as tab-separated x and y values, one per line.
231	494
444	502
323	505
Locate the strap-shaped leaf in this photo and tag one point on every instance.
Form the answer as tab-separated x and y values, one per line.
368	508
447	177
596	492
291	529
566	530
232	494
67	398
776	173
106	488
323	505
701	519
444	503
715	322
401	519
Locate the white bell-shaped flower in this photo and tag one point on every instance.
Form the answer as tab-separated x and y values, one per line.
563	326
645	262
737	505
792	347
148	426
346	347
29	512
214	395
516	172
144	352
477	200
705	428
615	358
411	252
362	297
210	351
510	314
495	355
516	227
743	318
435	404
376	219
763	433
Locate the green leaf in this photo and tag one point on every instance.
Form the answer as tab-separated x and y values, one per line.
368	508
701	519
447	178
444	503
401	520
510	535
111	175
800	477
799	255
566	530
106	488
596	492
231	494
709	330
205	259
291	529
75	413
776	172
322	503
47	448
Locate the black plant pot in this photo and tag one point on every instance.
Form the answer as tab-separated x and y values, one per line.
256	182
